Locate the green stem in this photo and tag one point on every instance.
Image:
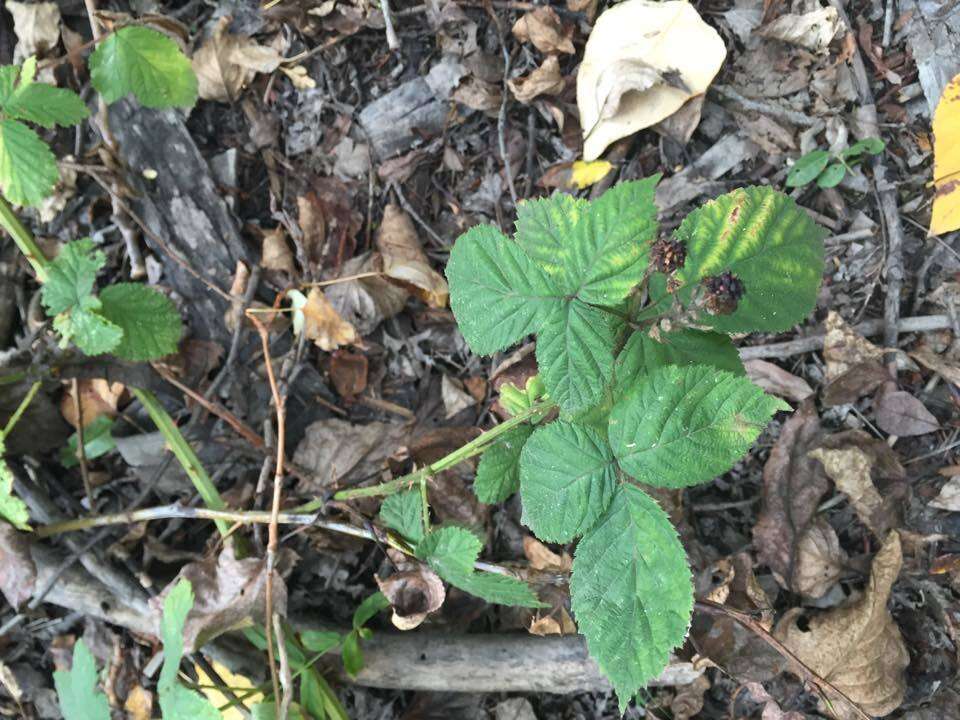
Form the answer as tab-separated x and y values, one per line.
184	453
21	409
471	449
24	240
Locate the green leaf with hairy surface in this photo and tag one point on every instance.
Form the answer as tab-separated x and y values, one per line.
631	591
498	474
176	701
88	330
28	169
807	168
38	103
451	552
546	228
403	512
575	355
497	293
71	276
687	346
765	240
567	478
681	426
77	691
149	320
146	63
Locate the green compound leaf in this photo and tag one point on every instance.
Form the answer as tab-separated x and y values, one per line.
451	552
498	474
807	168
70	277
77	688
687	346
685	425
575	354
567	478
765	240
35	102
90	332
148	319
497	293
403	512
28	169
631	591
12	508
176	701
147	64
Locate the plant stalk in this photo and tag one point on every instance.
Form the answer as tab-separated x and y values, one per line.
24	240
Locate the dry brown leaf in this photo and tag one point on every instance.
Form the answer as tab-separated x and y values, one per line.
414	592
139	703
899	413
777	381
18	574
366	301
949	496
36	25
688	701
631	79
857	648
404	260
793	484
275	253
587	7
455	397
97	397
543	558
542	28
545	80
322	323
348	373
850	469
226	63
229	594
478	94
812	30
771	708
544	626
820	560
943	367
844	349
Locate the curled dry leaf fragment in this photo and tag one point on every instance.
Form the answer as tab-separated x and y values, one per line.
542	28
226	63
36	25
545	80
812	30
857	648
946	161
315	317
97	397
275	253
638	68
849	468
404	260
949	497
820	560
414	592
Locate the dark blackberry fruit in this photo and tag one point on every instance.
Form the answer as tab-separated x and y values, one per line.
723	293
667	256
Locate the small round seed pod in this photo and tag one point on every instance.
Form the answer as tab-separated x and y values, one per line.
667	256
723	293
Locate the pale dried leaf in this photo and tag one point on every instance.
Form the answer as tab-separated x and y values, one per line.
139	703
275	253
455	397
812	30
949	496
18	574
543	558
97	397
545	80
850	469
777	381
857	648
544	626
414	592
404	260
820	560
843	348
226	63
542	28
319	321
631	79
36	25
366	301
943	367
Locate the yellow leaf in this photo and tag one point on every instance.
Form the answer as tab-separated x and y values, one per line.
946	161
584	174
238	683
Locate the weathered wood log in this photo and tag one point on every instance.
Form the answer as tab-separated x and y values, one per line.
183	207
933	36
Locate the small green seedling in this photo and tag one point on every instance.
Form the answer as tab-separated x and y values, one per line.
640	385
828	169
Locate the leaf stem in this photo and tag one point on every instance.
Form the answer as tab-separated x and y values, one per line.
24	240
21	409
471	449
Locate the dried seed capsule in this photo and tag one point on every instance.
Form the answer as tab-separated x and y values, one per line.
723	293
667	256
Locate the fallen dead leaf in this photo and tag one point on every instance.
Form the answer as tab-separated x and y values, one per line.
813	30
542	28
949	496
404	260
414	591
630	80
226	63
455	397
239	684
545	80
139	703
229	595
543	558
850	469
857	648
820	560
940	365
275	252
368	300
688	702
37	27
854	365
946	161
544	626
771	708
899	413
777	381
584	174
316	318
479	94
18	574
98	397
793	484
348	373
680	125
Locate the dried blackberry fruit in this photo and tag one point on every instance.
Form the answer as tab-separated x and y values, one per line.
723	293
667	256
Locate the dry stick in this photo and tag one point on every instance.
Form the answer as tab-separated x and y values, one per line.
887	197
280	700
81	450
393	42
502	115
741	618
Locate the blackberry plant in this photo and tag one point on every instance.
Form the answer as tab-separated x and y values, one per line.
641	383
